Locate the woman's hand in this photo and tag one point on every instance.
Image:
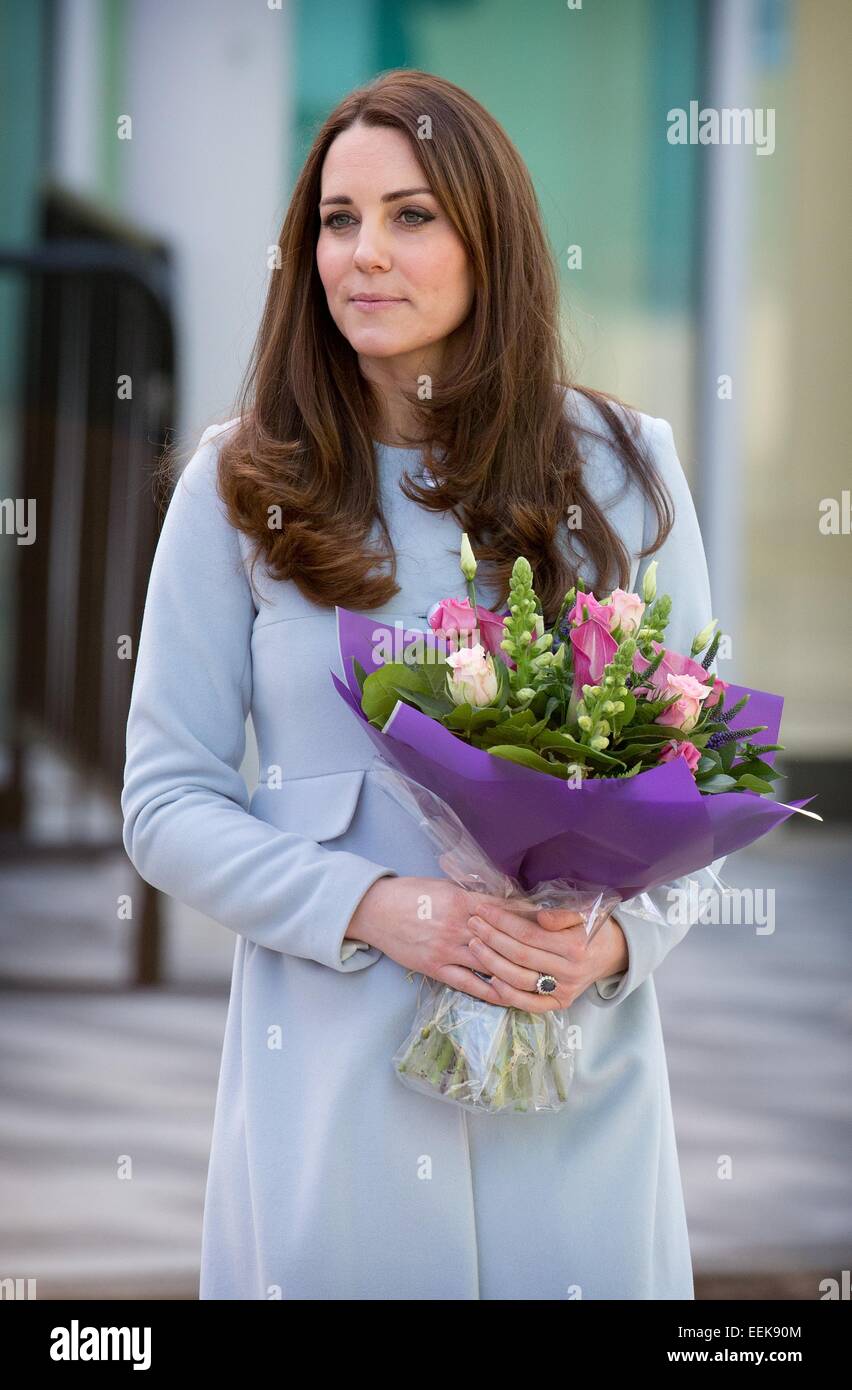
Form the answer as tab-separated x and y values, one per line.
424	924
514	950
427	925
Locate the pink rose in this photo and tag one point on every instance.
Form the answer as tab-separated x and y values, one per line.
473	680
685	711
454	617
627	610
681	748
674	664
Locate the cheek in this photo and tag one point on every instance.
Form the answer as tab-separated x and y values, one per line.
446	279
329	265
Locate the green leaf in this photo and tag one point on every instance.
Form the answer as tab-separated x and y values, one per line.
470	717
529	758
435	675
629	712
429	704
519	719
717	782
646	712
555	738
522	727
652	733
504	688
647	753
553	704
755	784
727	753
649	710
577	752
360	673
382	690
758	767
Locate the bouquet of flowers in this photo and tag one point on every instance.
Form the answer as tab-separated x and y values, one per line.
576	767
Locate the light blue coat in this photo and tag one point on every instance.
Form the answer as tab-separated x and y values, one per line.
328	1179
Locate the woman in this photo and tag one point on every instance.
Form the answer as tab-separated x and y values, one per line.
407	385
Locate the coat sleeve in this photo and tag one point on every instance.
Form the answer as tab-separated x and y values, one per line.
187	827
681	572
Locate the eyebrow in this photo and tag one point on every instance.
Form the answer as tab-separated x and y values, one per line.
386	197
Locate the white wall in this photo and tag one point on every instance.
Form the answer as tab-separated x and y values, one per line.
207	84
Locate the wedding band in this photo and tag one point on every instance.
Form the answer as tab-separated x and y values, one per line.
546	984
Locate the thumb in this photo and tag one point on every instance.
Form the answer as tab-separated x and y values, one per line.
559	918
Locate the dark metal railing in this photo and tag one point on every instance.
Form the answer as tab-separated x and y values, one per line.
97	390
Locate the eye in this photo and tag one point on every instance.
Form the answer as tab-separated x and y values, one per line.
329	221
423	217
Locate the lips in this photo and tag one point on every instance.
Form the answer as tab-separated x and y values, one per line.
376	306
376	299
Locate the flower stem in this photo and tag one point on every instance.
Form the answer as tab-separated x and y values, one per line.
471	593
443	1057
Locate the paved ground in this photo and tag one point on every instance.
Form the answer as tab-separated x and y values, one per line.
757	1031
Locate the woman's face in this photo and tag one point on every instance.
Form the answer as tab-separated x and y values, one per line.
404	249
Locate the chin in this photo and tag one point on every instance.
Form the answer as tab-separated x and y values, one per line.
376	345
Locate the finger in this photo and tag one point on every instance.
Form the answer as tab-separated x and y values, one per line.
468	959
503	967
520	907
521	999
552	918
530	959
559	918
570	945
477	900
459	978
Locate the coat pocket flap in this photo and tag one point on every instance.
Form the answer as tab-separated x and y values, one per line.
320	808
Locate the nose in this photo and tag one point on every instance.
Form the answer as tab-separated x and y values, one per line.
371	248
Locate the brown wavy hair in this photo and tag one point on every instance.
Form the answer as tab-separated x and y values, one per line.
511	462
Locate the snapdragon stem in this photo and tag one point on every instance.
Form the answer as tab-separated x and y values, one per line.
525	1071
458	1076
557	1079
443	1058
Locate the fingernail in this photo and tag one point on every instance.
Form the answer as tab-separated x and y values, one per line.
476	922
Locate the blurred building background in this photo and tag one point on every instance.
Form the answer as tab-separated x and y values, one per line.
147	151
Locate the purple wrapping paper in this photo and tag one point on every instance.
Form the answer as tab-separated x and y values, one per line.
629	835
